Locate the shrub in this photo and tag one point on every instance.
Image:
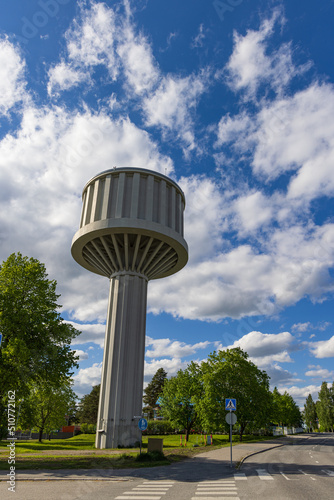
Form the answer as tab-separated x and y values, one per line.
152	456
87	428
159	427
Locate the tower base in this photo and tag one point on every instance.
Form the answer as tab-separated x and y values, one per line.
123	363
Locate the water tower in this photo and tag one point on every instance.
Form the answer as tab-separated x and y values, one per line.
131	231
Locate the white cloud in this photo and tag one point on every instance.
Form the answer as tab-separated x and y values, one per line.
171	105
12	76
322	373
86	378
89	333
171	366
250	65
139	66
173	349
63	77
301	327
323	348
259	345
90	40
82	354
198	41
253	211
299	394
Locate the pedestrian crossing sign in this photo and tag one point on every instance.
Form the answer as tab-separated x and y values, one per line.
230	404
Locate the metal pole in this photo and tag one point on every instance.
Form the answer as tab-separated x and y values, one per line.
231	434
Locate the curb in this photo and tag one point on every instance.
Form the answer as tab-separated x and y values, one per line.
239	464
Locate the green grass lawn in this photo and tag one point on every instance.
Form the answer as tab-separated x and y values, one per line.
67	458
81	442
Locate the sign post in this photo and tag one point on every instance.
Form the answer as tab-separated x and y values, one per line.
142	424
231	418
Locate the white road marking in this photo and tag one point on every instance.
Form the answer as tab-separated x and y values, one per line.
328	472
147	492
240	476
136	497
151	487
264	475
215	488
306	474
220	481
158	483
286	477
215	493
216	498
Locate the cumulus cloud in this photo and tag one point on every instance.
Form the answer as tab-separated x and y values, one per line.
316	371
323	348
86	378
171	366
63	77
82	354
250	65
90	40
12	76
89	333
170	348
265	345
170	106
299	394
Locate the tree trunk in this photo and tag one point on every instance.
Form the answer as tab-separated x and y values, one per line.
242	428
40	434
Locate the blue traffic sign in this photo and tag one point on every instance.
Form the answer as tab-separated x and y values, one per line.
142	424
230	404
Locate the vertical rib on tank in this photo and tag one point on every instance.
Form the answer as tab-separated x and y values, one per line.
131	231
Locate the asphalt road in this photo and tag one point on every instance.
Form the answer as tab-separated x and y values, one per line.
304	470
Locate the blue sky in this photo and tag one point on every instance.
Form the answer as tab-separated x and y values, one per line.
235	101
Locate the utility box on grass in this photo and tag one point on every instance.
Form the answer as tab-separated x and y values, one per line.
154	444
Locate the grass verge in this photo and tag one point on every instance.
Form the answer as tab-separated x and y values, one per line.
79	453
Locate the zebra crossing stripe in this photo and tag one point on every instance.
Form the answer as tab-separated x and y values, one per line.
264	475
240	476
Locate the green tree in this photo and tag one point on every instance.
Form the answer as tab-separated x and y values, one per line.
89	405
310	413
153	391
325	408
230	374
285	410
178	398
45	406
36	341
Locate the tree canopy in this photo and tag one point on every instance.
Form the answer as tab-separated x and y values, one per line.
325	407
89	405
178	398
230	374
36	341
310	413
45	406
153	391
285	410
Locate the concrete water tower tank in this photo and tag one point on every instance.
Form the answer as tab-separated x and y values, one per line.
131	231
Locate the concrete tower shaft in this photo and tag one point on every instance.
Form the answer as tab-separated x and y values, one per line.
131	231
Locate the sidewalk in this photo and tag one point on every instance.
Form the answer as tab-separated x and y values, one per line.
218	460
